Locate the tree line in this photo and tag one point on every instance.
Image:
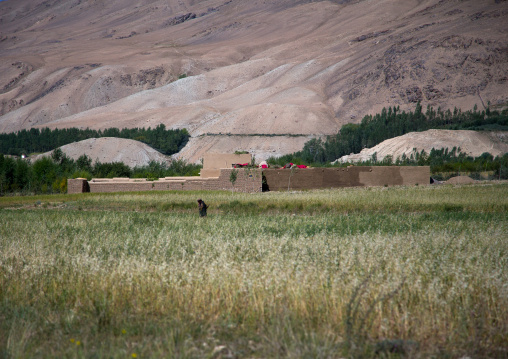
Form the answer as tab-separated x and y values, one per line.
37	140
391	122
50	174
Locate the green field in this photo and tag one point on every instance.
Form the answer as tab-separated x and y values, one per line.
352	273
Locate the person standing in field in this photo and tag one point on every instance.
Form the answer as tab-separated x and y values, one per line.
202	208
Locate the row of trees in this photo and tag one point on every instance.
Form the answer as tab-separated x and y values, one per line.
36	140
392	122
49	174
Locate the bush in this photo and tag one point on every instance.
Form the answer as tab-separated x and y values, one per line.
110	170
60	185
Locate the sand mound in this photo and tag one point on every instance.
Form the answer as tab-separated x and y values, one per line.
472	143
461	180
111	149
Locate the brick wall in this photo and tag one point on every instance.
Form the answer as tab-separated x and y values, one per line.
249	180
78	185
134	185
363	176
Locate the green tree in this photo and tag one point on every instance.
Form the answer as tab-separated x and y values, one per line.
23	175
84	163
233	176
45	172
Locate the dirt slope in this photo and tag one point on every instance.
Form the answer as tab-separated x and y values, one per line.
110	149
471	142
253	67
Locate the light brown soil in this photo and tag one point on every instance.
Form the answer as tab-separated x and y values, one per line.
461	180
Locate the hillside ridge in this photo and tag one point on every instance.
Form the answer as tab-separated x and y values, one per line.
233	68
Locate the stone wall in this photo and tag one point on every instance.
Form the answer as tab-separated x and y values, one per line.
363	176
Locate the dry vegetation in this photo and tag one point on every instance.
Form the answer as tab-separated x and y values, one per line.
392	272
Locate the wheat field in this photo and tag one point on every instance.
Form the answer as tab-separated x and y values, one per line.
353	273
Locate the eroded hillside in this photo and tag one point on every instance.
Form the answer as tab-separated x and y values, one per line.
263	76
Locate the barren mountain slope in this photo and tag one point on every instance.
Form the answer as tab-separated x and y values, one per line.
110	149
253	67
472	143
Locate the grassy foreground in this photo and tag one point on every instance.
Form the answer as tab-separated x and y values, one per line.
353	273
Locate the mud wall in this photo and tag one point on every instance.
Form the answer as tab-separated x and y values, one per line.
78	185
361	176
214	162
220	160
248	181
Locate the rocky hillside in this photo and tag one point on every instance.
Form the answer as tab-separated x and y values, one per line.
258	75
470	142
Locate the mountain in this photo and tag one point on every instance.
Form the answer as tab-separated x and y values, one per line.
257	75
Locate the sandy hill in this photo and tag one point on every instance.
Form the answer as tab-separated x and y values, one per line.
230	69
111	149
470	142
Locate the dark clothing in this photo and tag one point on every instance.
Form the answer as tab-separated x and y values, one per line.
202	209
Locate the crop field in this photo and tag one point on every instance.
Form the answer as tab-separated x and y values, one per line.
398	272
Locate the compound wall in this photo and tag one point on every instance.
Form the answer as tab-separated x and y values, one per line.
247	180
362	176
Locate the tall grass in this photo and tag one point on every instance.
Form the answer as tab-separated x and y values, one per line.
477	198
325	274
